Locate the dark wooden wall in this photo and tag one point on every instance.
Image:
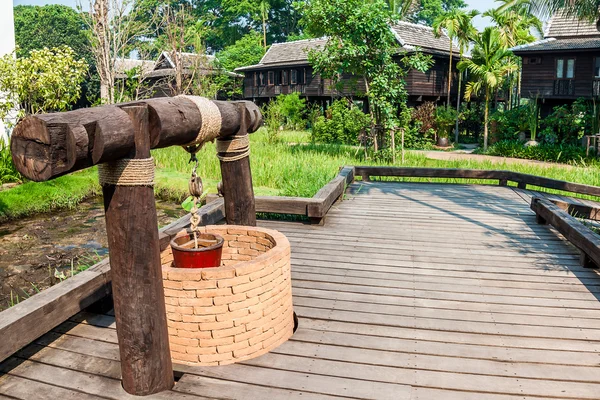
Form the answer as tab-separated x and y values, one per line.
433	82
540	78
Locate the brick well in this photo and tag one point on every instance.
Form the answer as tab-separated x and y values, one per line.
237	311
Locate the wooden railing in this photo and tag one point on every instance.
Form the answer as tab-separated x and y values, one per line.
596	88
503	177
564	87
571	228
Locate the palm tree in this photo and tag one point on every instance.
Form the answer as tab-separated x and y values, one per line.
264	8
583	9
401	8
449	22
464	36
490	62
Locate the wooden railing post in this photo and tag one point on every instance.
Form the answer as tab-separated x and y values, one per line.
240	208
138	295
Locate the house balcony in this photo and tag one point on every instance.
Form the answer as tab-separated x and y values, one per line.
564	87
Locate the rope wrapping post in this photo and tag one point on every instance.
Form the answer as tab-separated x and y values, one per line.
211	120
237	147
127	172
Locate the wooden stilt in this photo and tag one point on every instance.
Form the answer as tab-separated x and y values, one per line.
240	208
132	230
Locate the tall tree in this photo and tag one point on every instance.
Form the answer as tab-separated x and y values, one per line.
115	26
246	51
361	43
459	27
448	22
426	11
50	26
583	9
489	64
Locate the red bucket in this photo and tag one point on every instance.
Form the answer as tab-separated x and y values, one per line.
207	255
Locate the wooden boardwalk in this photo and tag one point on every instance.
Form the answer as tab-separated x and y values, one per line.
409	291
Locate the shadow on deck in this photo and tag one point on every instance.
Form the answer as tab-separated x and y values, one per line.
409	291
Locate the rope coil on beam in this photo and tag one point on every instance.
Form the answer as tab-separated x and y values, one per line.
127	172
237	146
211	119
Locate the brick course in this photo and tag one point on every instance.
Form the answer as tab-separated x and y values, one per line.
237	311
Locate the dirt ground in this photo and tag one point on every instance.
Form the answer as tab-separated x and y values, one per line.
40	251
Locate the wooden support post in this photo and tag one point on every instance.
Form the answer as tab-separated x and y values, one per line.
240	208
522	185
540	220
503	182
132	230
585	261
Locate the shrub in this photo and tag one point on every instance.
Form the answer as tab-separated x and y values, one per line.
510	122
8	172
424	116
562	153
445	118
343	123
293	109
274	119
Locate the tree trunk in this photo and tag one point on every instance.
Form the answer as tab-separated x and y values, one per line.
486	119
264	23
450	75
101	49
458	107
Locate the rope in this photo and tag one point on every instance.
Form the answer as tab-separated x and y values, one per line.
211	119
239	145
127	172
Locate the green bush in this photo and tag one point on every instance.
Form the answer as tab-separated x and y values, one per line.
510	122
343	123
8	172
445	119
561	153
273	118
292	109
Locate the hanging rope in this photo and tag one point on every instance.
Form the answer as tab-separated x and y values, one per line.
211	119
237	146
127	172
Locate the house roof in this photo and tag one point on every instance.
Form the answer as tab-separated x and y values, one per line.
122	65
563	26
410	37
164	66
289	53
564	33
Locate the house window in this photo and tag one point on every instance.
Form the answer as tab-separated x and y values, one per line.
271	78
597	68
255	79
301	76
284	77
294	77
565	68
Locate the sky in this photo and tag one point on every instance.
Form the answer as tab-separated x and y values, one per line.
480	23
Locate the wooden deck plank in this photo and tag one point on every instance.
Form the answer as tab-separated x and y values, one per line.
409	291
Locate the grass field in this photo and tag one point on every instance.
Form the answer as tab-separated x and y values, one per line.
291	167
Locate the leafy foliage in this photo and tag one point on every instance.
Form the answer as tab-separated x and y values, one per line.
245	51
343	123
361	44
8	172
428	11
48	80
561	153
424	116
445	117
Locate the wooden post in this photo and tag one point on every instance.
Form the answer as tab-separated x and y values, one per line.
240	208
134	250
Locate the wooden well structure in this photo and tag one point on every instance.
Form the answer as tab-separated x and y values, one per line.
118	138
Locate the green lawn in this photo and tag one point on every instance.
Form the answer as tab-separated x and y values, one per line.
291	167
